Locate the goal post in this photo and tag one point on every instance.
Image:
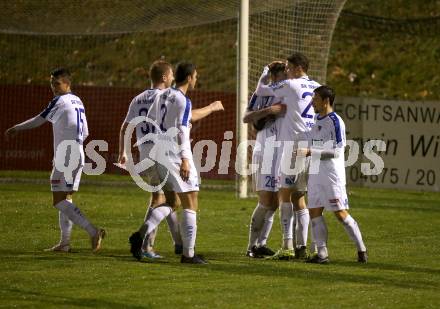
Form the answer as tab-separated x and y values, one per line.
243	95
278	28
109	47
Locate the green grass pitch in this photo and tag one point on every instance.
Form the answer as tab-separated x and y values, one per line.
400	230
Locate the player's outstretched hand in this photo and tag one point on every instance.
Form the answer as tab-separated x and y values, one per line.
10	133
184	169
217	106
278	109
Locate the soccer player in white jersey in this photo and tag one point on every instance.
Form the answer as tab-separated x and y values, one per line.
264	113
161	75
172	113
326	181
296	92
66	112
163	204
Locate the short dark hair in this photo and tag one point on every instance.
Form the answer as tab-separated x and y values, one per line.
61	72
158	69
299	59
326	92
183	70
277	67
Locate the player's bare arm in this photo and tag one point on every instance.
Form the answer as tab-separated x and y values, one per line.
200	113
122	157
276	110
303	152
324	154
263	87
25	125
185	169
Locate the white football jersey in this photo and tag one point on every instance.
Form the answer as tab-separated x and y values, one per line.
265	179
328	132
259	102
172	109
297	94
67	115
140	106
271	127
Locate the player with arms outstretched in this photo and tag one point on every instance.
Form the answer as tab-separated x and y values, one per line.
66	112
264	113
326	184
296	92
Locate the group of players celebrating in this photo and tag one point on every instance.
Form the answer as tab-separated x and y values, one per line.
287	108
296	112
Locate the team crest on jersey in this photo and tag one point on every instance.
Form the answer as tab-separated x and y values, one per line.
319	128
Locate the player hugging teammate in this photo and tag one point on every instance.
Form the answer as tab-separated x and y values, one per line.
298	113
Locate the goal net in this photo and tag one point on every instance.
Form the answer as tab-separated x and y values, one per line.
109	45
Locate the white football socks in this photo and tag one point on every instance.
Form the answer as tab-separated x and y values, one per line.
189	231
287	219
257	221
65	228
321	235
313	249
155	217
354	232
302	227
74	214
148	245
173	225
267	227
143	228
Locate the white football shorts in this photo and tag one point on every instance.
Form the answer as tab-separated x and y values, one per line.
265	181
173	181
151	174
59	183
331	197
297	182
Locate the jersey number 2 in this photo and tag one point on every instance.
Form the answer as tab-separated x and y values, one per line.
305	114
